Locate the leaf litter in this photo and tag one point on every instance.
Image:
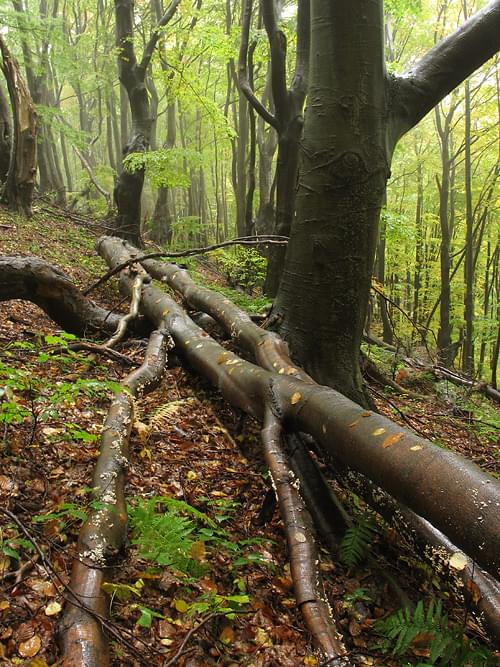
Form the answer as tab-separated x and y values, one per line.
200	453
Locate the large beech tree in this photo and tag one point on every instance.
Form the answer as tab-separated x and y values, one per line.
356	113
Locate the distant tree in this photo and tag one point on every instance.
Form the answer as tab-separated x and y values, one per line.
20	182
133	73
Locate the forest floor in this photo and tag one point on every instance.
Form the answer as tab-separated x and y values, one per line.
236	606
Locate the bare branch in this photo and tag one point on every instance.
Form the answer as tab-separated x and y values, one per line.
445	66
92	177
277	43
150	46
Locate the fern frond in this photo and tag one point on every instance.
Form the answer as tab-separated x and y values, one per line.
356	541
167	411
159	418
446	644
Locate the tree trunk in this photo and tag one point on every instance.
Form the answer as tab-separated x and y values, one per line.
340	193
5	136
468	343
22	168
355	116
128	186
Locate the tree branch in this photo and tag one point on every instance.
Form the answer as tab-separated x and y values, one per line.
277	44
248	241
150	46
243	82
300	77
445	66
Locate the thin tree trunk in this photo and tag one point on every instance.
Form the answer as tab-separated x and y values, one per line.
5	136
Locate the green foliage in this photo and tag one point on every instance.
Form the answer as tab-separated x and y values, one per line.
242	267
357	539
185	231
167	531
431	629
210	603
63	511
164	535
167	167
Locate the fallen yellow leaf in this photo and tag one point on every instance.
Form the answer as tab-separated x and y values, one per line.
391	439
181	606
53	609
295	398
262	638
30	648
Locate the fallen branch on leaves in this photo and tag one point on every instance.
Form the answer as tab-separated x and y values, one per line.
103	535
32	279
271	352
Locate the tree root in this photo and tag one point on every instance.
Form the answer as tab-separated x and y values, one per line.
102	537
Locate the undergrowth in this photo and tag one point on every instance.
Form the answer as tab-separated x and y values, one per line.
427	633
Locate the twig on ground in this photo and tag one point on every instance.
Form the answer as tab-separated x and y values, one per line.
94	347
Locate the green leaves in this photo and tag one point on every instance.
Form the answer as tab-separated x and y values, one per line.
165	167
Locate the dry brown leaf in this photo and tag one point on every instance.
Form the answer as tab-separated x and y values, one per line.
474	590
227	635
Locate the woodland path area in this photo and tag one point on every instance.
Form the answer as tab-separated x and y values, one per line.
230	599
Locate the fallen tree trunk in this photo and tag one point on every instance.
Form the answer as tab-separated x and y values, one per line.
455	378
45	285
431	481
103	536
270	351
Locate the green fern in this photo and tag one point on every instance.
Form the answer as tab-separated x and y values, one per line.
164	535
357	540
445	644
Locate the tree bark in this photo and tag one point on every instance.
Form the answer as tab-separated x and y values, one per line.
45	285
340	192
5	136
